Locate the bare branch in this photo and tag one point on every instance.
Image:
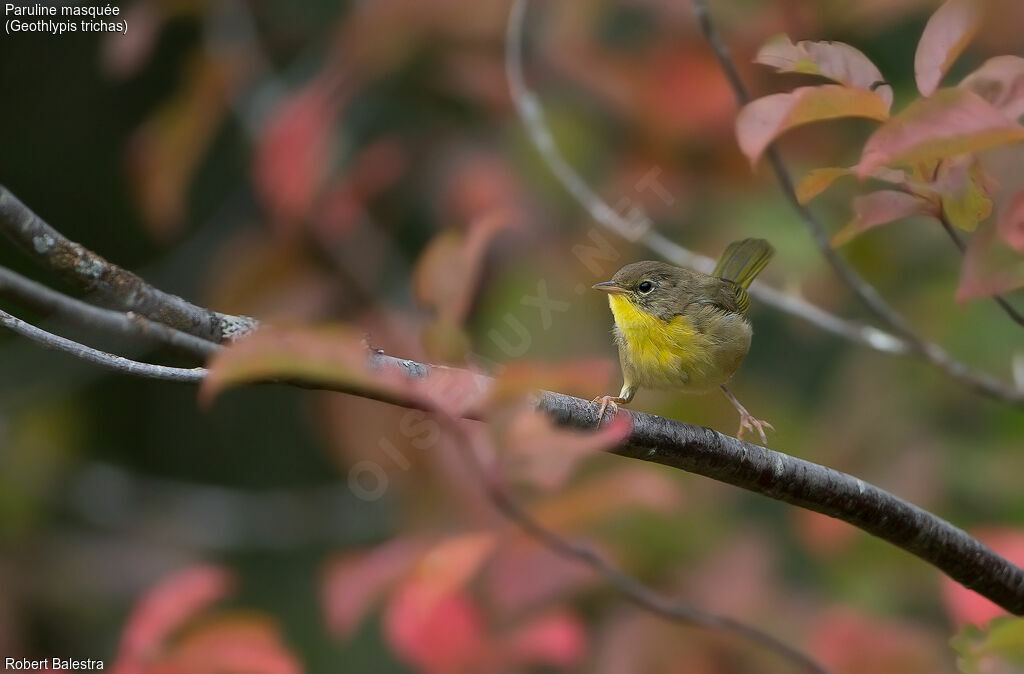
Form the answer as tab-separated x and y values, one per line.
709	453
639	593
706	452
640	230
101	358
933	353
113	285
43	299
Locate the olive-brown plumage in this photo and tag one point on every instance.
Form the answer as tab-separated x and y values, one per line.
682	329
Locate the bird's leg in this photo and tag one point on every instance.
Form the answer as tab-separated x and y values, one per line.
747	420
625	395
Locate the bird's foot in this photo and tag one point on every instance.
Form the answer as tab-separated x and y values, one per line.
606	402
750	423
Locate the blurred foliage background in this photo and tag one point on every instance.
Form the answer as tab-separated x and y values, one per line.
294	161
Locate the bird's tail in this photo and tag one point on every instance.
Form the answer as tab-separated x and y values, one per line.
743	260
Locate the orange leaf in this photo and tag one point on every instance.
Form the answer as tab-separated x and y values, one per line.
879	208
166	150
837	61
945	36
1000	81
243	643
819	180
951	122
165	608
449	565
765	119
579	377
447	273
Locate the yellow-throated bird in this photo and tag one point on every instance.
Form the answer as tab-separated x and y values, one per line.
682	329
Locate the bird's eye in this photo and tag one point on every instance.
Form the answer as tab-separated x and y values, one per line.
645	287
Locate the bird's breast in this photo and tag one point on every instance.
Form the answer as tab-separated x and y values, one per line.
677	353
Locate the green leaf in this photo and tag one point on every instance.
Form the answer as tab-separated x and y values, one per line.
964	191
819	180
996	648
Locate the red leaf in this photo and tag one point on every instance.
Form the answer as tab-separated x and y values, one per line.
1000	81
837	61
951	122
441	635
849	641
544	455
352	582
557	639
945	36
1011	223
765	119
165	608
335	357
292	157
966	606
989	267
879	208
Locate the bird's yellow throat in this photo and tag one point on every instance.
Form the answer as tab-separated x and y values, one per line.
653	342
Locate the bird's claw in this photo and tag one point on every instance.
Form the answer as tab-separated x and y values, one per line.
606	402
750	423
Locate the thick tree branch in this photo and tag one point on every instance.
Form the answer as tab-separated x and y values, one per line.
112	284
868	295
43	299
706	452
642	595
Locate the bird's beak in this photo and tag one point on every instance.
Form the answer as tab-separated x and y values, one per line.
610	287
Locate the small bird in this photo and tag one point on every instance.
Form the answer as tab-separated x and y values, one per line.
682	329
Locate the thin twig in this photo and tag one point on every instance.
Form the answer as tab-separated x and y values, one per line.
112	284
640	230
43	299
636	591
868	295
101	358
961	245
